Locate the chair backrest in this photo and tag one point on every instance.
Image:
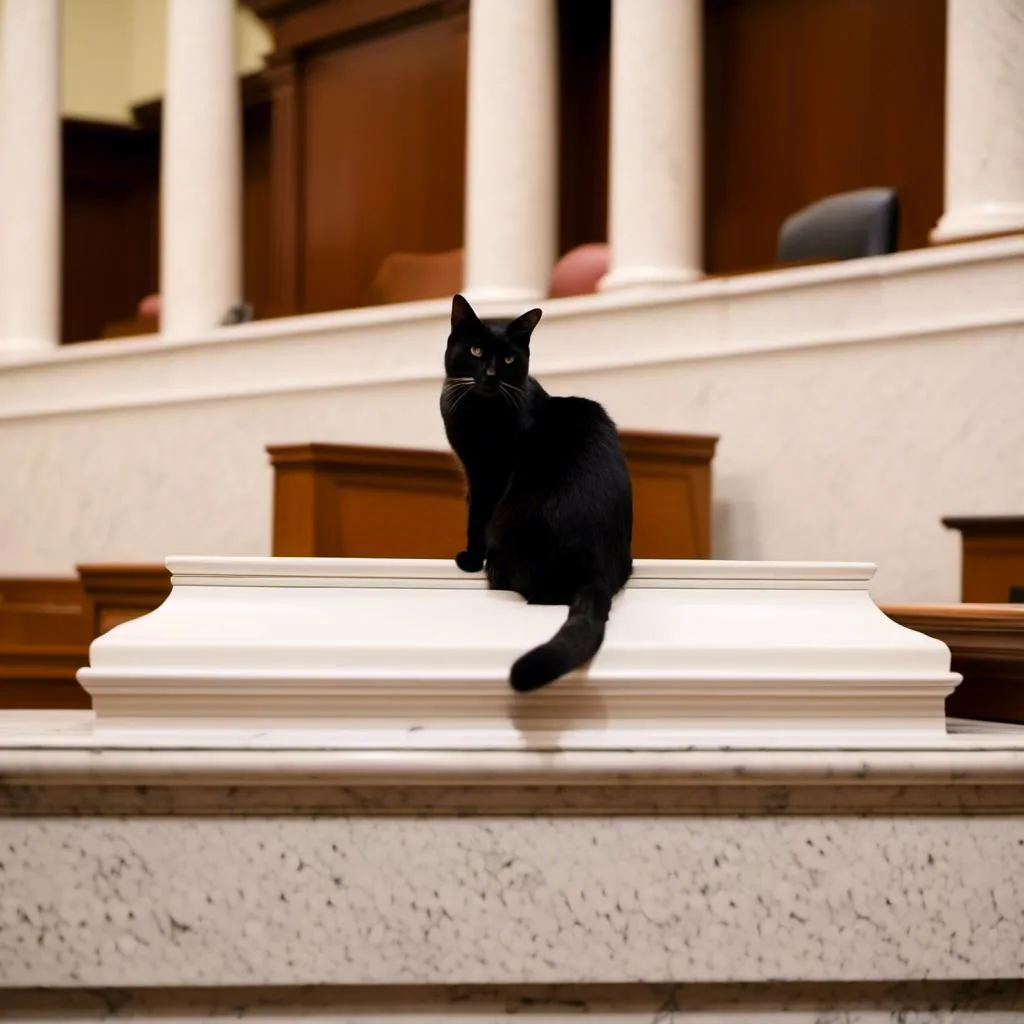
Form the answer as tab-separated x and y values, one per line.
413	276
579	271
842	227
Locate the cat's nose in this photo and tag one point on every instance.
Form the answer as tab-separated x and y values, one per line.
489	371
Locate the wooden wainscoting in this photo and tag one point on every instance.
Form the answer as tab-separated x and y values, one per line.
803	99
46	626
337	209
44	640
343	501
992	556
987	644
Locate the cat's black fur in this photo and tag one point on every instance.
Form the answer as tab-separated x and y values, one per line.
550	501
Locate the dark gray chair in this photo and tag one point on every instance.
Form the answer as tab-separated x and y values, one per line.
845	226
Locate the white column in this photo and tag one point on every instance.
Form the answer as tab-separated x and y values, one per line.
511	150
200	186
30	177
984	119
655	212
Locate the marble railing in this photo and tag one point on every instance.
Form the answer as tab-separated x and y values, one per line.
306	790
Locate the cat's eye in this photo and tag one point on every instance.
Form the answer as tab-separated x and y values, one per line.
476	351
510	359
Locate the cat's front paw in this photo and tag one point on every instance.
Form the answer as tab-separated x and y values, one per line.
469	561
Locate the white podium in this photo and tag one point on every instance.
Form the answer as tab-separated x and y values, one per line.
416	654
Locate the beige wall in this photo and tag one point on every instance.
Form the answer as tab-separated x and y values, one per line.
96	43
147	54
113	54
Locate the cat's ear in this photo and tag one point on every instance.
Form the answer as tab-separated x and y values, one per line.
522	327
463	314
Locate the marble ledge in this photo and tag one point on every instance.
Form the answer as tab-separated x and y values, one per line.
58	763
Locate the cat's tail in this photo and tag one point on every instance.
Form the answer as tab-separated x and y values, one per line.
573	645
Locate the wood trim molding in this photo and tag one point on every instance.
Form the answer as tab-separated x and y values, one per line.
300	24
986	526
368	457
987	645
668	447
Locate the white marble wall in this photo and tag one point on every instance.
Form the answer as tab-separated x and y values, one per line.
849	452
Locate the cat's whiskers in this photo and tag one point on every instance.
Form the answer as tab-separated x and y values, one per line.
454	396
513	395
455	389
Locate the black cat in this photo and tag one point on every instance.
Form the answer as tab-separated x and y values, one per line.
550	500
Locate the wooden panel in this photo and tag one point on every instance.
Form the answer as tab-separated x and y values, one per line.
987	645
671	476
584	43
118	593
285	196
992	556
46	627
109	225
340	501
417	524
55	591
44	639
257	284
804	99
397	187
42	676
42	611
